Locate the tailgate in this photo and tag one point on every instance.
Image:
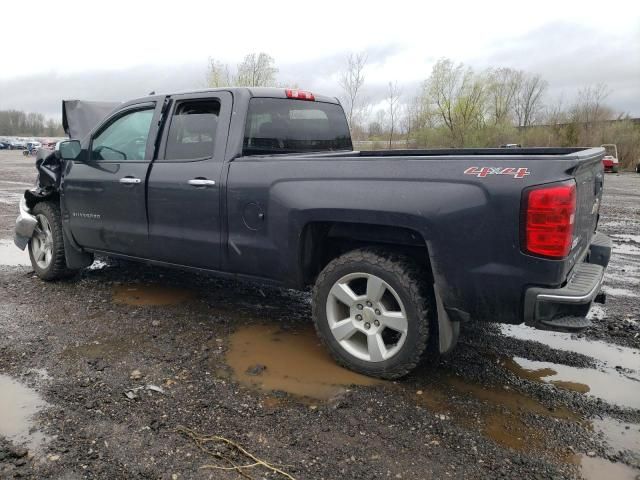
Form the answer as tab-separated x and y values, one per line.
589	183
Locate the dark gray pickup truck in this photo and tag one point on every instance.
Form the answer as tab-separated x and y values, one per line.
401	247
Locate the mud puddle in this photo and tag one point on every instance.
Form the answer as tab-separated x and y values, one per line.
609	385
609	354
272	360
599	469
619	292
500	413
620	436
295	362
150	295
18	406
12	256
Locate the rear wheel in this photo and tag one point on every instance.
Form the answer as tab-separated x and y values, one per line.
373	311
46	247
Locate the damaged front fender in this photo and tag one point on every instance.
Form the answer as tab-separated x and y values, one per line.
25	225
49	176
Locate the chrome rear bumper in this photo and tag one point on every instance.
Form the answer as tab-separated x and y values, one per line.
567	307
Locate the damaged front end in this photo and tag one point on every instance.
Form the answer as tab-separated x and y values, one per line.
49	168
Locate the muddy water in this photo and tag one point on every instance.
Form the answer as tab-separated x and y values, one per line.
295	362
601	469
18	406
611	355
609	385
149	295
498	412
12	256
620	436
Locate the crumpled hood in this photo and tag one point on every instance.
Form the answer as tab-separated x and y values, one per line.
79	116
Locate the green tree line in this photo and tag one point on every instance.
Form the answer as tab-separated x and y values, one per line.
28	124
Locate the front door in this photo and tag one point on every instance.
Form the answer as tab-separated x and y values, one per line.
104	192
185	181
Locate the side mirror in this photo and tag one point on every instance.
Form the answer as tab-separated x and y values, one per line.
68	149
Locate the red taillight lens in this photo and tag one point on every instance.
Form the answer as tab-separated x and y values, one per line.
549	216
300	95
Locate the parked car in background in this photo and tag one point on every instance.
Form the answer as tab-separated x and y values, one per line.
4	146
18	144
610	160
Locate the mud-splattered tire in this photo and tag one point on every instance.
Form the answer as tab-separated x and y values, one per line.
374	310
46	247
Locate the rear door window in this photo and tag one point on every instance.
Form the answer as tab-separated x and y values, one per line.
192	131
277	125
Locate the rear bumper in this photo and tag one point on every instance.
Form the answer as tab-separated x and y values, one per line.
566	307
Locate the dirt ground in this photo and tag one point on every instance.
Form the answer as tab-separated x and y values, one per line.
130	371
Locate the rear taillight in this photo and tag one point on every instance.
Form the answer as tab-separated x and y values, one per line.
300	95
548	219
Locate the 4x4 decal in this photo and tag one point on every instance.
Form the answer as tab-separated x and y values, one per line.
482	172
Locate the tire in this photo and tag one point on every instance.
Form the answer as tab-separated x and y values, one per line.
381	288
50	265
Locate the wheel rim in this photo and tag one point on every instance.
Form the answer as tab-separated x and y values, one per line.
367	317
42	243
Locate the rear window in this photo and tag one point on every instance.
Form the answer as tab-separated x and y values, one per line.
277	125
193	130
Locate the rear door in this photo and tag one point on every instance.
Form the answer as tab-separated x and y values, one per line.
185	215
104	193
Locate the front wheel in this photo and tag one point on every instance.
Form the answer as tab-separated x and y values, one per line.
46	247
374	311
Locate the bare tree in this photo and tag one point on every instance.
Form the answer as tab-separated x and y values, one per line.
589	107
530	99
218	74
256	70
502	88
393	98
458	97
351	82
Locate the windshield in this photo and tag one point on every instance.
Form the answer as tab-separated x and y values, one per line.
277	125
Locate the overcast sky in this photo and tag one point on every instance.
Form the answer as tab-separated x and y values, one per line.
117	50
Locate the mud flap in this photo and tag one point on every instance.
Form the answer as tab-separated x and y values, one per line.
76	259
448	329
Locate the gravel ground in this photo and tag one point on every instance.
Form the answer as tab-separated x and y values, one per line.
129	371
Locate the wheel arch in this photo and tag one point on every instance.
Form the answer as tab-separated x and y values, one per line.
322	241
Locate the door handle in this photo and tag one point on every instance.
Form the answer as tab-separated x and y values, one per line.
201	182
130	180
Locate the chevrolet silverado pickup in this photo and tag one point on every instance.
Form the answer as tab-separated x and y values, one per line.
400	247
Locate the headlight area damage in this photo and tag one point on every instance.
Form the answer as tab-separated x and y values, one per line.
49	168
79	117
